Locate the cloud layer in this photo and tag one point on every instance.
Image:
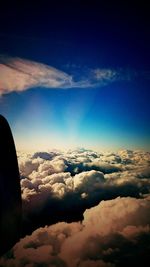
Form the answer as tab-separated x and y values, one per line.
17	74
114	233
98	203
60	186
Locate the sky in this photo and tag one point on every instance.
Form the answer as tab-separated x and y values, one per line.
75	89
75	74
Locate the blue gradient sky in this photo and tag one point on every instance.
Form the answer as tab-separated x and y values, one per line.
113	116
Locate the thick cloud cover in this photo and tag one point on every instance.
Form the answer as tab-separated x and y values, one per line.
98	203
114	233
60	186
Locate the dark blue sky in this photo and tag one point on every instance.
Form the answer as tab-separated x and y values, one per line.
78	37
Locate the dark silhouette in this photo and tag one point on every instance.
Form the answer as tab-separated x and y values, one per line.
10	192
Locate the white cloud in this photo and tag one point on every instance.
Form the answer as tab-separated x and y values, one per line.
69	182
118	213
17	74
89	181
110	232
106	76
61	186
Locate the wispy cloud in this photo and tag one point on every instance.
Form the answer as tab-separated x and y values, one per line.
106	76
17	74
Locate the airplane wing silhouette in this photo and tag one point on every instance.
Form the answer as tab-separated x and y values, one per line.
10	192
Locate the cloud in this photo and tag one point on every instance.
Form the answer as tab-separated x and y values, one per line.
60	186
17	74
111	75
105	76
40	165
112	234
85	181
103	215
45	155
